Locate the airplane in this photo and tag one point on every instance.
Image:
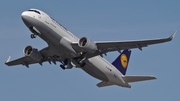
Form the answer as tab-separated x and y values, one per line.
70	51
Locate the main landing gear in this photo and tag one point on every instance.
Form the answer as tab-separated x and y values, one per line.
63	67
65	62
68	64
80	61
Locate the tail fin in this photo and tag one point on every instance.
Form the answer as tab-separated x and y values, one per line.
121	62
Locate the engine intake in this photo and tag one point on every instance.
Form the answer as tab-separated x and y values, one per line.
87	45
33	53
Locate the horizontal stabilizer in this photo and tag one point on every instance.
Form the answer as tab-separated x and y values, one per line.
138	78
103	84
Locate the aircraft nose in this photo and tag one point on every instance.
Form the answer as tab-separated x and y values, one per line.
24	15
26	18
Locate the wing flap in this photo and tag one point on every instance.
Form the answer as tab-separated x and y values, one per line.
138	78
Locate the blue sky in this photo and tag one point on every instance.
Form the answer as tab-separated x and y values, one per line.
101	20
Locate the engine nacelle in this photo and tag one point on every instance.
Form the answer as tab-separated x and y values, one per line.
33	53
88	45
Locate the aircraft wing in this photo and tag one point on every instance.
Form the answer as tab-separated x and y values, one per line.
122	45
26	60
23	60
105	47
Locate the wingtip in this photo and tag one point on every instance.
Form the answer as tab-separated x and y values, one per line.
154	77
172	36
8	60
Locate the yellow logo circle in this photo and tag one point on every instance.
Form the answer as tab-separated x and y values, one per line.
124	60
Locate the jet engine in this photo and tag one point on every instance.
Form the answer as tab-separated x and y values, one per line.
88	45
33	53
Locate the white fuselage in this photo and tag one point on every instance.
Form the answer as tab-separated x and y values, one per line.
59	39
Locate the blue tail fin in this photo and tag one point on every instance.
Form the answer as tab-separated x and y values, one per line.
121	62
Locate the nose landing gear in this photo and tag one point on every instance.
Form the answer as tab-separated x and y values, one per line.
33	36
34	31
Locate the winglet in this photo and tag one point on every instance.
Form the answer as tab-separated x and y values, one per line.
172	36
8	59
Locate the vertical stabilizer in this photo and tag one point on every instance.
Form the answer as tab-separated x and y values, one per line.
121	62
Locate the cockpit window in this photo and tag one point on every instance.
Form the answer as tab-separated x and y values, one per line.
35	11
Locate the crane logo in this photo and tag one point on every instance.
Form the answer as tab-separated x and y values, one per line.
124	60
